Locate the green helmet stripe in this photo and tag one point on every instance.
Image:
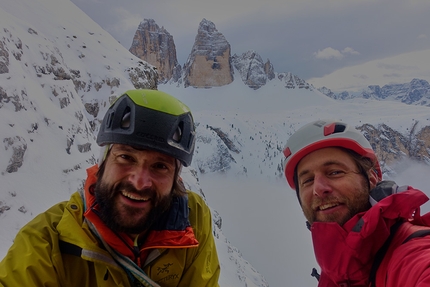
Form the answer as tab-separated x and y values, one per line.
157	100
150	119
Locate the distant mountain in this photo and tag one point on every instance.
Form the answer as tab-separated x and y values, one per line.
416	92
210	63
401	68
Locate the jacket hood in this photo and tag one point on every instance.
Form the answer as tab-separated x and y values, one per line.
346	253
167	237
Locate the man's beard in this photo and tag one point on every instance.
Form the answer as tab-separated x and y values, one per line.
121	218
356	202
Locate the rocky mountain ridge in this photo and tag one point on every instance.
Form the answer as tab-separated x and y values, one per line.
416	92
392	147
210	63
223	152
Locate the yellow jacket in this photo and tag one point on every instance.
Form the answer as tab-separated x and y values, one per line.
58	248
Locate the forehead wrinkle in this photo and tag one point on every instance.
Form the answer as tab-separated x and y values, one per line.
159	157
122	147
325	164
165	158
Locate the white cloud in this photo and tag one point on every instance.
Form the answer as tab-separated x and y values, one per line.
330	53
350	51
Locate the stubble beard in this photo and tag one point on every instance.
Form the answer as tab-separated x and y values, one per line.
359	202
127	219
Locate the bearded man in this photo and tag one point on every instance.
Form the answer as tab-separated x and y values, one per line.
134	224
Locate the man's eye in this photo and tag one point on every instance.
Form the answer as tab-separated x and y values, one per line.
125	157
307	181
336	172
160	165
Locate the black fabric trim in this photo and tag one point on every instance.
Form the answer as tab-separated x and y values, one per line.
176	218
69	248
381	253
419	233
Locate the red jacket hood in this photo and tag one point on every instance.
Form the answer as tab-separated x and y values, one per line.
346	253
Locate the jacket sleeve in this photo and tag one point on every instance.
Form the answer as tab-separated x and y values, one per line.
410	264
324	281
204	268
30	259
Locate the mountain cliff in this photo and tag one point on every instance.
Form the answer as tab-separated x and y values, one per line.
252	70
210	63
156	46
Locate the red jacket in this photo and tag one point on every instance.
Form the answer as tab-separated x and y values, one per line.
346	253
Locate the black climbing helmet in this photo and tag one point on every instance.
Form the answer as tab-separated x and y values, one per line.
150	119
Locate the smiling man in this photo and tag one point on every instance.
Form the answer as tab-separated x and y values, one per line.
365	231
134	224
331	188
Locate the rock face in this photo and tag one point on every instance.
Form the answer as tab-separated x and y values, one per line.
156	46
292	81
74	75
252	70
391	146
209	64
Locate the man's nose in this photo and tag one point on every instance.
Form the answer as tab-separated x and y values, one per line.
321	186
141	178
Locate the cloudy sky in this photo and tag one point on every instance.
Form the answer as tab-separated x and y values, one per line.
310	38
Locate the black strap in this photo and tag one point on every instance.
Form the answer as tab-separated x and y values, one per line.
419	233
69	248
381	253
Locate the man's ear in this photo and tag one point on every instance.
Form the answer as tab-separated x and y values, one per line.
373	178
